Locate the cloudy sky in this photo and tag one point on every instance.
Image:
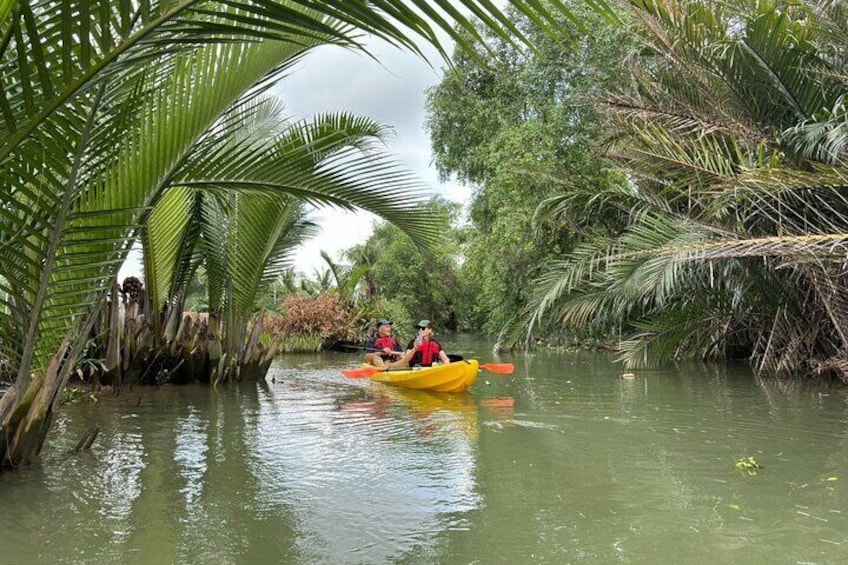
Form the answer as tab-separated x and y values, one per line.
391	91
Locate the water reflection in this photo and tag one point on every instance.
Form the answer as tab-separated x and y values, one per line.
564	462
372	473
502	406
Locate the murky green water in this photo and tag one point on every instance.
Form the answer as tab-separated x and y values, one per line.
564	462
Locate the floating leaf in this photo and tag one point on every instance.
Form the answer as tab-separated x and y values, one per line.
748	465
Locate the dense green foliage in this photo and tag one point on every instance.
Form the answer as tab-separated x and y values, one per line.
426	281
719	230
519	131
733	134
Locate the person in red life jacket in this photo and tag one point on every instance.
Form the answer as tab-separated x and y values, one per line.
424	349
383	350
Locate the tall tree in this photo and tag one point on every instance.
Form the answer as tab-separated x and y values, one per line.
518	130
363	258
424	280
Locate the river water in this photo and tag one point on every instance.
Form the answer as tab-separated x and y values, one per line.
563	462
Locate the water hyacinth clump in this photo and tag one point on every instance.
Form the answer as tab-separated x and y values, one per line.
748	466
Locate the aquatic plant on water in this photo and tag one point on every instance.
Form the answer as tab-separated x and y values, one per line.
748	466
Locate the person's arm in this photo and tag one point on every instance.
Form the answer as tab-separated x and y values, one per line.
444	357
409	354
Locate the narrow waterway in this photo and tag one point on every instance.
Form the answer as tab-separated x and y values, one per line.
563	462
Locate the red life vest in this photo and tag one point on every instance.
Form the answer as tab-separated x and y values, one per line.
428	353
380	343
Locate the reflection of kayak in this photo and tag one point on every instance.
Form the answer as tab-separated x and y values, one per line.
442	413
454	377
425	402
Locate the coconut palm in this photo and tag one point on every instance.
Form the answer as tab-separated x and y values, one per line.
341	274
734	222
102	102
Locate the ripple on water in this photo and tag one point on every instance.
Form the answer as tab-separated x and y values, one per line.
563	462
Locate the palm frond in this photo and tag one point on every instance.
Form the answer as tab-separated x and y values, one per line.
93	206
330	160
169	236
55	53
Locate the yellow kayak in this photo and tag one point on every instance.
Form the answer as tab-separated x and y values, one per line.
454	377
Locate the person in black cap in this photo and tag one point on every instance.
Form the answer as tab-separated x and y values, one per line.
383	349
424	350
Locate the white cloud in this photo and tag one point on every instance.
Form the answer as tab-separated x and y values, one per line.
339	230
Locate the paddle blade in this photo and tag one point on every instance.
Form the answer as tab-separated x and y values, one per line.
361	372
500	368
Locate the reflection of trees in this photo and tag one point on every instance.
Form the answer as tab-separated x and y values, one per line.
529	470
172	478
234	504
597	470
820	408
203	491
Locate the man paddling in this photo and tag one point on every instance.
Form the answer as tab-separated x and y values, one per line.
383	350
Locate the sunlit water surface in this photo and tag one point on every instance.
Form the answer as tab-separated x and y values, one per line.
564	462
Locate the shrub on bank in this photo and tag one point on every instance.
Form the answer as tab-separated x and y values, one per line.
306	320
309	323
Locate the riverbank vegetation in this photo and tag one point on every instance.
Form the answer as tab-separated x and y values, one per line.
686	200
619	201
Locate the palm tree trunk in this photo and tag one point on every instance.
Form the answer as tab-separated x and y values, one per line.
114	339
26	419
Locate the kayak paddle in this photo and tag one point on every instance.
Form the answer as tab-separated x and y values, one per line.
362	372
500	368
